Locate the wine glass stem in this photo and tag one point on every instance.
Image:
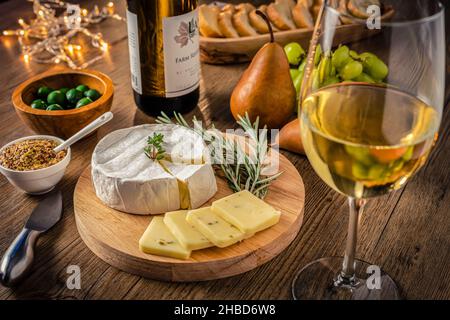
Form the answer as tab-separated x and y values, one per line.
356	207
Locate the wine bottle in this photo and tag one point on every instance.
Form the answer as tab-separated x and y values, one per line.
163	41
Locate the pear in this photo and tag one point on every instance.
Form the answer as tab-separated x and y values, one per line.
265	89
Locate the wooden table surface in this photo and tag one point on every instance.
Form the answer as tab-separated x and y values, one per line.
406	232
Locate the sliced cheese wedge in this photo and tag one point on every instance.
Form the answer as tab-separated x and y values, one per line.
157	239
246	211
126	179
196	183
187	235
214	228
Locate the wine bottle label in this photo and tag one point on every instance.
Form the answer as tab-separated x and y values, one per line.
181	54
133	46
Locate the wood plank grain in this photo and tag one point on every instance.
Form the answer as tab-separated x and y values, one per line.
405	232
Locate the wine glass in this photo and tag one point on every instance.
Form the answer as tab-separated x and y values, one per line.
369	114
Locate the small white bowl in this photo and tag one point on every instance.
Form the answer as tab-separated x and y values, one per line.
39	181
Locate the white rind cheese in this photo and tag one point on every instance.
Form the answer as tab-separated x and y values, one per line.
126	179
196	179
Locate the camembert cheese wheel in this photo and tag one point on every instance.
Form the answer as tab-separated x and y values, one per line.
126	179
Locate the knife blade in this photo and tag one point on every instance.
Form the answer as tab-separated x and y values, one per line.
18	258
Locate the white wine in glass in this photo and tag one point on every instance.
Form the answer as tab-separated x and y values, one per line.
369	116
355	149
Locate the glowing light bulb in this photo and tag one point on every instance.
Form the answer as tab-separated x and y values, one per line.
110	8
26	57
70	48
84	12
9	33
104	46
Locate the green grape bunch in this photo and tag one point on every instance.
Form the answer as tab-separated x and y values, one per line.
331	67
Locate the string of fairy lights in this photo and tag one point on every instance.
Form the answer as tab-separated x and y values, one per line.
50	37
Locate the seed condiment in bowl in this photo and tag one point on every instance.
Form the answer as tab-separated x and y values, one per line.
33	154
30	164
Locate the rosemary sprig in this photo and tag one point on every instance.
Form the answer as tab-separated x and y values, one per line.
244	172
154	149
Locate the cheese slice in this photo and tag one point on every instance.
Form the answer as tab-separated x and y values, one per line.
246	211
158	240
214	228
187	235
126	179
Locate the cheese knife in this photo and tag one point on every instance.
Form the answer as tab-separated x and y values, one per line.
18	258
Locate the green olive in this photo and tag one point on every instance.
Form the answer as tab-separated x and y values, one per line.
43	92
82	88
54	107
64	90
73	95
83	102
351	70
340	56
376	68
39	104
56	97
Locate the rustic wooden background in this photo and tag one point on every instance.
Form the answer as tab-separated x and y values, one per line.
407	232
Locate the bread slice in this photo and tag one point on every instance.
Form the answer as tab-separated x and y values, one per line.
242	24
302	16
358	8
280	14
229	8
226	25
247	7
315	12
257	22
316	2
342	8
208	19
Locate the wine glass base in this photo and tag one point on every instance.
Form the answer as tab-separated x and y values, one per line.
320	280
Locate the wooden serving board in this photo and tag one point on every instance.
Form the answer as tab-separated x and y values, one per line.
237	50
113	236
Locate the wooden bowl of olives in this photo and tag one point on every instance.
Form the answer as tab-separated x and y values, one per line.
61	102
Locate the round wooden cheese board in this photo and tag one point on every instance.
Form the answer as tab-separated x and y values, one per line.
113	235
